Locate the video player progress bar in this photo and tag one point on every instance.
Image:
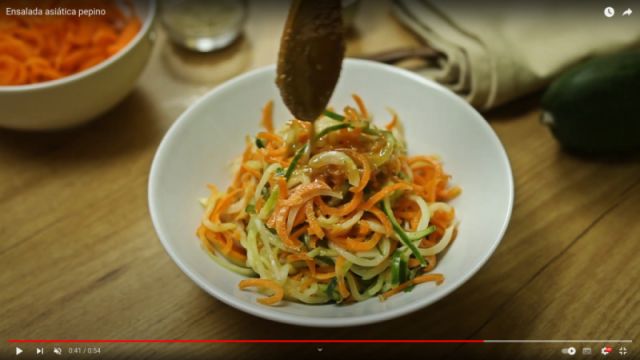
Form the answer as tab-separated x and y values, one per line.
317	341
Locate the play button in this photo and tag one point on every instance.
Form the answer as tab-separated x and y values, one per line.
18	351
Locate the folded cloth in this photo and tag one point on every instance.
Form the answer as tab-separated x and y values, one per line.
495	52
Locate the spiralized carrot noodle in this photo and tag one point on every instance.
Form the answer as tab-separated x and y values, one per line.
39	48
341	217
278	292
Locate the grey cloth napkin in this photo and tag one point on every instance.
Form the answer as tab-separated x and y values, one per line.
495	52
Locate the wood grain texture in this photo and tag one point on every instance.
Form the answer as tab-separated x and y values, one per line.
80	258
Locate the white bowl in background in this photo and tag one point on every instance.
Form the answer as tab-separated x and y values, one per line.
201	144
80	97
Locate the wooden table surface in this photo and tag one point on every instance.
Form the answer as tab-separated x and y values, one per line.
80	258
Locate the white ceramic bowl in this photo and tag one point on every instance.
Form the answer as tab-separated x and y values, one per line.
78	98
200	145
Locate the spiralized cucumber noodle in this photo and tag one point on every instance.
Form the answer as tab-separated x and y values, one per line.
331	211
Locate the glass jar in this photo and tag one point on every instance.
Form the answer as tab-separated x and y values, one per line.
203	25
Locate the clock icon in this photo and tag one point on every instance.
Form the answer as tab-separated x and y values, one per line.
609	11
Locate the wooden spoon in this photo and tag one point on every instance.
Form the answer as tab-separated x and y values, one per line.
311	52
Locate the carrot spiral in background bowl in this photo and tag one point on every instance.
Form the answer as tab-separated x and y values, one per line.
41	48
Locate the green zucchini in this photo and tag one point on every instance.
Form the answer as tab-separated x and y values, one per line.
594	108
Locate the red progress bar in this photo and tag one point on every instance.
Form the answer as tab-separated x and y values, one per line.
243	341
